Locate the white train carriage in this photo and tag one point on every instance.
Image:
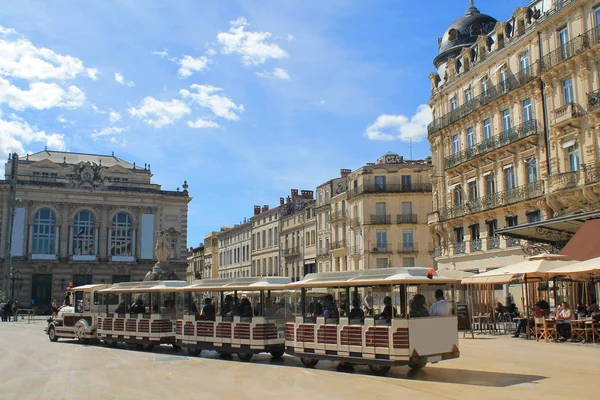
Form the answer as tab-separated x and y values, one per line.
244	316
79	320
140	313
365	317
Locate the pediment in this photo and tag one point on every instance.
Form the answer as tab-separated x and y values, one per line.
117	170
44	164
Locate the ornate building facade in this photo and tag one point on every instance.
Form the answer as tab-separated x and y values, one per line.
235	251
515	132
195	260
86	218
265	241
211	255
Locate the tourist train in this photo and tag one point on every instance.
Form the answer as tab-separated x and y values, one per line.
377	318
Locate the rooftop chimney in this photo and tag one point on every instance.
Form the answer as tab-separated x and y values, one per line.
265	208
307	194
281	201
344	172
256	210
294	192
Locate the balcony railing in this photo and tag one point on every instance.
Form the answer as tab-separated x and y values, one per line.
389	188
336	216
573	47
499	199
592	173
381	219
516	133
460	247
291	251
512	242
322	251
355	250
355	222
493	243
382	248
594	100
475	245
564	114
340	244
438	251
565	180
406	218
407	248
493	93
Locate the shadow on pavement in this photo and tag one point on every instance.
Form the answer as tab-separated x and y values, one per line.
466	377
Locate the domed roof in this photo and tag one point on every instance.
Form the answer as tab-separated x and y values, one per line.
463	33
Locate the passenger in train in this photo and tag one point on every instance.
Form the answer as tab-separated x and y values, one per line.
356	312
170	308
283	312
269	312
343	304
441	308
245	308
389	311
208	310
368	303
138	307
330	309
227	307
121	308
417	306
315	308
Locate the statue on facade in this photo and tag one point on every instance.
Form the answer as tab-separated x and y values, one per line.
161	250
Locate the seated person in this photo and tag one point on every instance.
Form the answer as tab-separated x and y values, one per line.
563	327
121	308
208	310
315	309
500	308
330	309
283	312
227	307
269	312
356	312
245	308
138	307
417	307
581	310
192	309
544	306
389	311
537	312
170	308
512	309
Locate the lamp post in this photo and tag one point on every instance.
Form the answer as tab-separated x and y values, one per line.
14	276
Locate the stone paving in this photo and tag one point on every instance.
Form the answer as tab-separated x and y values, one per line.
490	367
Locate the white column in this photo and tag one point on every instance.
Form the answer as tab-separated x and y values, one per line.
30	239
56	240
133	243
70	239
96	242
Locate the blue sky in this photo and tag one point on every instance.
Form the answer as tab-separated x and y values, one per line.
243	99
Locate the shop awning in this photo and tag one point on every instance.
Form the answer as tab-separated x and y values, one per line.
555	231
586	242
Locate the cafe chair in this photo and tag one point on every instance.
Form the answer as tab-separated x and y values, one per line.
577	331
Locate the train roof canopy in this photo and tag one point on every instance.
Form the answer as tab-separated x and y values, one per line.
248	284
145	286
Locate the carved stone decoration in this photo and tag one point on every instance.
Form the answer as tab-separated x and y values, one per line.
533	248
161	250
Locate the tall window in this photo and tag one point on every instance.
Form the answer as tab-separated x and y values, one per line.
534	216
524	61
503	82
567	88
264	239
573	155
121	235
407	208
408	262
458	198
44	225
380	209
379	182
489	185
509	178
406	181
83	234
455	144
453	104
563	39
474	231
487	129
381	239
470	138
506	123
531	165
407	239
468	95
459	235
472	190
270	236
483	86
527	110
597	13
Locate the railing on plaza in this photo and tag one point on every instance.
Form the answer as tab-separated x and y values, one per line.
389	188
340	244
593	100
406	218
564	180
592	173
573	47
499	199
291	251
407	248
493	93
380	219
382	248
338	215
512	135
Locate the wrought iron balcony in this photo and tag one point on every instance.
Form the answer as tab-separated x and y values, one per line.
499	199
406	218
493	243
512	242
460	247
291	251
355	222
592	173
493	93
355	249
407	248
323	252
340	244
336	216
516	133
573	47
382	248
594	100
565	114
381	219
389	188
438	251
565	180
475	245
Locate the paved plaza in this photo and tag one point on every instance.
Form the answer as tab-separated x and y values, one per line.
491	367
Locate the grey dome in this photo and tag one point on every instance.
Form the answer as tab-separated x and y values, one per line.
463	33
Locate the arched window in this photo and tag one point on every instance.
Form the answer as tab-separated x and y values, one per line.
83	234
43	235
121	235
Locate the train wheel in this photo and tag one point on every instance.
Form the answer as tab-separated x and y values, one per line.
380	370
176	347
112	344
309	362
149	347
223	354
277	354
139	346
193	352
417	365
245	356
52	334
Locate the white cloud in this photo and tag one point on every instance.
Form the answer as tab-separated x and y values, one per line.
161	54
121	79
40	96
289	37
20	58
122	142
202	123
158	113
97	109
392	127
61	118
15	133
114	116
278	73
211	52
221	106
254	47
111	130
188	65
93	73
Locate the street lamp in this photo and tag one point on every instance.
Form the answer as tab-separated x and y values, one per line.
14	276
